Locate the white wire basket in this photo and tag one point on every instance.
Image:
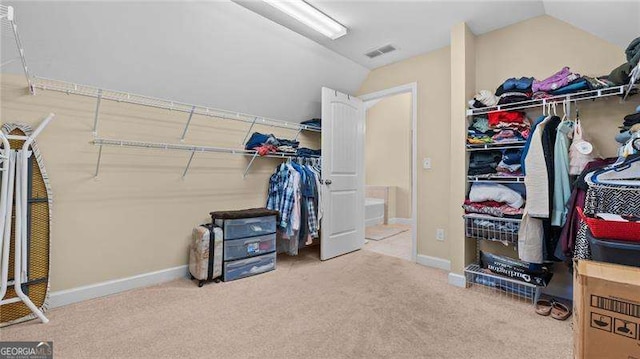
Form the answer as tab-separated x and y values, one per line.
484	227
490	283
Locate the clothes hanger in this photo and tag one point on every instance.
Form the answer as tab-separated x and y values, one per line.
625	173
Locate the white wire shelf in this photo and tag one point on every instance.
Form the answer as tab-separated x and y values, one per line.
8	25
495	146
496	179
193	149
491	283
495	229
127	97
577	96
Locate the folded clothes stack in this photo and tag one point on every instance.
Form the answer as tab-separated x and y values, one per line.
307	152
484	163
314	122
521	89
492	164
510	163
266	144
495	200
492	208
515	90
621	75
500	127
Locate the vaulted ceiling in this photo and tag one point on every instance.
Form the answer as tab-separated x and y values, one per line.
417	27
244	57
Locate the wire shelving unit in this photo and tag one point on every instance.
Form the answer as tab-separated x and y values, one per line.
193	149
622	91
190	110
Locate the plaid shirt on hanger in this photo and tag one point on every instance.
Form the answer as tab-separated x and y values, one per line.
312	219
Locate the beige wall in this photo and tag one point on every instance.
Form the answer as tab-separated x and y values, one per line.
388	149
138	215
537	47
540	47
431	72
463	67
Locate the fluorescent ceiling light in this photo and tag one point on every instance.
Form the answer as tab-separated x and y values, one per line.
310	16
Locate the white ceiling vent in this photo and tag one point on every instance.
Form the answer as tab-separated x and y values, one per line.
380	51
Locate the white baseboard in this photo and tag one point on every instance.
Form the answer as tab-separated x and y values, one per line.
433	262
79	294
457	280
406	221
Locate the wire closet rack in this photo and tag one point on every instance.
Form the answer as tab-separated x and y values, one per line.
101	94
7	17
623	91
189	148
8	25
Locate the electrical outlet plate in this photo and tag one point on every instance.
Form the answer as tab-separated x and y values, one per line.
440	234
426	163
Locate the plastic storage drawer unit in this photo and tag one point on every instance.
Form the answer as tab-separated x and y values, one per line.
248	267
247	227
612	251
249	247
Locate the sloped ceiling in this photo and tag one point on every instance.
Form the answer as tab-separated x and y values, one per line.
414	27
215	54
417	27
243	56
615	21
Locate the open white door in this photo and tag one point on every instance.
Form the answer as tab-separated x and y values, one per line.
343	174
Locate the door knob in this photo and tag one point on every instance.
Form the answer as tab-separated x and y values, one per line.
327	182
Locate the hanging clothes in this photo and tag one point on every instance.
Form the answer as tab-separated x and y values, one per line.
572	224
562	183
294	190
536	180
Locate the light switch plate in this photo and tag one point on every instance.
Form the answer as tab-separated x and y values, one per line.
426	163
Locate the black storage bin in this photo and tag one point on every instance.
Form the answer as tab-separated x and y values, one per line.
612	251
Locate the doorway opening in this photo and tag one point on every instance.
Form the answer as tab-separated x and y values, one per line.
390	191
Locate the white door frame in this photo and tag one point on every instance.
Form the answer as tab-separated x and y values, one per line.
411	88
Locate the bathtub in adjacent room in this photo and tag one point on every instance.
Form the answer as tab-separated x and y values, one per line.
373	211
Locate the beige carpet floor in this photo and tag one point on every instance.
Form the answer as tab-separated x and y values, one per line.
360	305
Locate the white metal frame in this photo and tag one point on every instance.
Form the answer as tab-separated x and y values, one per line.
411	88
183	147
16	164
7	18
101	94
